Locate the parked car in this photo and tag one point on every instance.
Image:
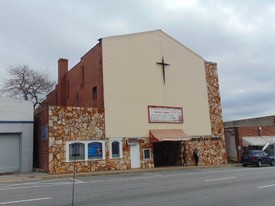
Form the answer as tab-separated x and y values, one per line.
256	157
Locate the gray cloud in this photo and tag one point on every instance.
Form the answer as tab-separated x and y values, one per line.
238	35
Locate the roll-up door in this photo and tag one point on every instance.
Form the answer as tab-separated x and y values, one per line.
9	153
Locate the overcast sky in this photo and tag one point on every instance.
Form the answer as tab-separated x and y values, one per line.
237	34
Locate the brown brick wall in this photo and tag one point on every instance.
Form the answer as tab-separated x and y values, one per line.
255	131
79	91
41	145
75	88
52	98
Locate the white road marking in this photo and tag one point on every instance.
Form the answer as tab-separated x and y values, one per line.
36	182
46	183
28	200
122	179
224	178
265	186
76	180
153	174
25	187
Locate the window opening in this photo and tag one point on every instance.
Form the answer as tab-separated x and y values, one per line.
95	93
76	151
82	77
147	154
115	149
95	150
68	89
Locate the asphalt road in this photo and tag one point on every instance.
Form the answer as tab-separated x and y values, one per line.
227	186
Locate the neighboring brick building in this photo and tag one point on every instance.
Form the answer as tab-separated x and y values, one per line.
133	101
252	133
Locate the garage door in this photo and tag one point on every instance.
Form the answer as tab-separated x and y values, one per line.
9	153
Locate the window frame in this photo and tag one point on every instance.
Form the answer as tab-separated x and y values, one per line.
119	147
86	143
101	152
150	153
76	158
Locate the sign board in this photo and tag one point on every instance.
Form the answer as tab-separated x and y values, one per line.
132	141
206	138
45	133
160	114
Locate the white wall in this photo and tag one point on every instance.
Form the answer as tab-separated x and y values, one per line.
133	80
17	117
15	110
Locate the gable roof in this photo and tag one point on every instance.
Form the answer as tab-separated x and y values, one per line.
148	32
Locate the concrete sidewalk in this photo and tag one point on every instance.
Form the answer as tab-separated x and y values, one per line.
29	176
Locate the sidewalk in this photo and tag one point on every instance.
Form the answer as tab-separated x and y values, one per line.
28	176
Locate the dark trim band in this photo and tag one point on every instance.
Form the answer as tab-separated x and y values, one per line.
16	122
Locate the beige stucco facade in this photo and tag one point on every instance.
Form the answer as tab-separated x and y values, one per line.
133	80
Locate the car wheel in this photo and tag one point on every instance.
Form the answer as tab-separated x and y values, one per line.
259	163
272	163
245	165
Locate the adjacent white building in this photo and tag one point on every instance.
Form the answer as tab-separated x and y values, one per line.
16	135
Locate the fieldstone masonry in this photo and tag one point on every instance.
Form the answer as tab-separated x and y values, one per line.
73	124
81	124
214	99
146	144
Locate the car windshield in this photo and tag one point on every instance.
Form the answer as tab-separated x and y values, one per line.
257	152
247	152
252	152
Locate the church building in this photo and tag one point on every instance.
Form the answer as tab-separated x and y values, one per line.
138	100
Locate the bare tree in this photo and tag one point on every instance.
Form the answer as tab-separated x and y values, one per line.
27	84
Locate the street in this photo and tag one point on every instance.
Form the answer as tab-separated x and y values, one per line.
225	186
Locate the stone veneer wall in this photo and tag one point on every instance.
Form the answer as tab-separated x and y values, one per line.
81	124
214	98
146	144
72	124
211	150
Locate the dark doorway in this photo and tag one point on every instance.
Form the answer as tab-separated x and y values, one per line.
167	153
